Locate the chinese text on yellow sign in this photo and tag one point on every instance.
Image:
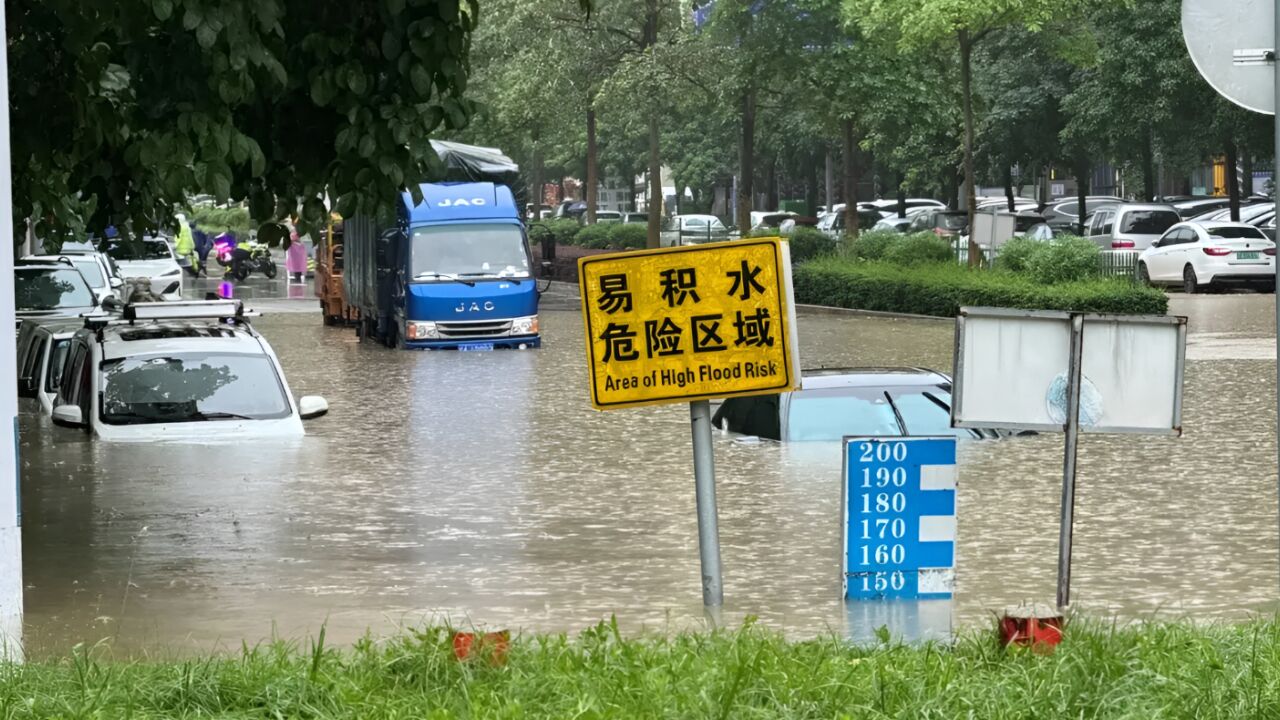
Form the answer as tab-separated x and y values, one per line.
689	323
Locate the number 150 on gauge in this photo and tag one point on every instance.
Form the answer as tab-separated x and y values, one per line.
899	517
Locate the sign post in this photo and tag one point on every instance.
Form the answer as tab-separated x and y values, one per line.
688	324
1236	47
1070	373
10	509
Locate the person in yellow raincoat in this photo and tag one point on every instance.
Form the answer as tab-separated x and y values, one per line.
185	247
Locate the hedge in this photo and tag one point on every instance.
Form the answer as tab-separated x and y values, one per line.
941	290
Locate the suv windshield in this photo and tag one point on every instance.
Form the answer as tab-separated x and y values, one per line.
50	289
1149	222
139	249
468	250
91	271
185	387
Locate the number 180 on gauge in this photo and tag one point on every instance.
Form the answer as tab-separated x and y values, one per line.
899	517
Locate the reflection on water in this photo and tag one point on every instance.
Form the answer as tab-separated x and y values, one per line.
482	487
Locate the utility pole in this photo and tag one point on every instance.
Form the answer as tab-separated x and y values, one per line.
10	509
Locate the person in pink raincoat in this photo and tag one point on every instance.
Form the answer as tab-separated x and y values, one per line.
295	259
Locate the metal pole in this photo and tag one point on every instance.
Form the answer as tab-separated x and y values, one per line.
1069	461
1275	194
704	478
10	510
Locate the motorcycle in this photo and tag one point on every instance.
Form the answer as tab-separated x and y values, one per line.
239	261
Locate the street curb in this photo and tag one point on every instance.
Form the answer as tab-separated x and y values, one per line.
831	310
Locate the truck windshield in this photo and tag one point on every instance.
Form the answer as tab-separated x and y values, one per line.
468	251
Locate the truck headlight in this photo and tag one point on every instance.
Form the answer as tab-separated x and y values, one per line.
525	325
421	331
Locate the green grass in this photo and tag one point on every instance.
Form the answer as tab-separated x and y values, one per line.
1141	671
941	289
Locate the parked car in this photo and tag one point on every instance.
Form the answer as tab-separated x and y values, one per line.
636	217
943	223
42	348
98	270
1188	209
690	229
148	257
1261	215
832	224
1064	216
1199	255
1131	226
834	403
51	290
893	223
192	371
888	207
604	217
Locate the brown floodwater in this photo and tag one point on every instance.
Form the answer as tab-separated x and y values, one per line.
481	488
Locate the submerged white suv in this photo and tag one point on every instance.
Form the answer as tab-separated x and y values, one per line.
190	371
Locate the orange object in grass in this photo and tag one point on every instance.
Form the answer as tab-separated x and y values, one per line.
490	645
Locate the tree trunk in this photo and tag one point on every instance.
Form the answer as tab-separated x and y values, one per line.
970	182
850	181
1008	187
746	161
655	186
829	177
1082	190
902	197
771	185
593	182
1246	170
811	185
1233	180
1148	167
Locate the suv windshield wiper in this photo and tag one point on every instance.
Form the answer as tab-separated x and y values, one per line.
217	416
492	275
446	276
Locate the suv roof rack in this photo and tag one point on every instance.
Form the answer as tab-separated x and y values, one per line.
228	310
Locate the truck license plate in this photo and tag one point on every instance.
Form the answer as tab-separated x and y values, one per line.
475	347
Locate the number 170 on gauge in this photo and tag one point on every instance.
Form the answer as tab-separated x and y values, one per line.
899	517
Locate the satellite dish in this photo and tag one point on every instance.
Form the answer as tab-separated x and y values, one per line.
1232	43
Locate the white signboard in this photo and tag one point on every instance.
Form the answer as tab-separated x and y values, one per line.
1012	369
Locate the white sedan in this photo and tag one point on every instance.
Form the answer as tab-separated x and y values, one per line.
1197	255
151	258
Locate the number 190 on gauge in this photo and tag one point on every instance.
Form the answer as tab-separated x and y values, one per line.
899	517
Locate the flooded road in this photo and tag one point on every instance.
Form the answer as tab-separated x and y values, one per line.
482	488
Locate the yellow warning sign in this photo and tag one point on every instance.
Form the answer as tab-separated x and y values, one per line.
689	323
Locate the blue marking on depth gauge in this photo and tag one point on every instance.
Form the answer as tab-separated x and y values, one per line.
899	517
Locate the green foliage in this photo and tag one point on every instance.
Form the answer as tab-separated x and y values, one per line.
1065	259
808	243
595	236
1142	670
215	220
563	232
628	236
870	245
130	107
942	289
919	249
1015	255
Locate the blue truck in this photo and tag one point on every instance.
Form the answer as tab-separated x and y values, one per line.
450	272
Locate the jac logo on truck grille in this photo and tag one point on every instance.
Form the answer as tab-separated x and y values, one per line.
474	307
459	202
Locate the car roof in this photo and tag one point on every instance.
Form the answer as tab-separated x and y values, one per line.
147	338
25	264
1211	225
1126	207
825	378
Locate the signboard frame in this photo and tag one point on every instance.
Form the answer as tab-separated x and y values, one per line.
787	334
958	377
889	593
